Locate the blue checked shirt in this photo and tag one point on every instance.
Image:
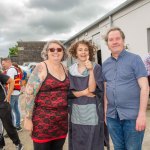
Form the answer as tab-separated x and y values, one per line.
122	89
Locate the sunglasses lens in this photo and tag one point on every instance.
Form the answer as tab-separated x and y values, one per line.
59	49
52	49
55	49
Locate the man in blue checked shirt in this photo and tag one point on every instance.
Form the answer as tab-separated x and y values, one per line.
126	93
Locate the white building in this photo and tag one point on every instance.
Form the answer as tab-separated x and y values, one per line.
132	17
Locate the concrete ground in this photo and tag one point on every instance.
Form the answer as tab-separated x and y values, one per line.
26	140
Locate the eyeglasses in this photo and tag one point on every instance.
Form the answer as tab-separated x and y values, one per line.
55	49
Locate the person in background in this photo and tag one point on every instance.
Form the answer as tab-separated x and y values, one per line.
46	100
18	69
5	112
14	73
147	66
1	68
32	68
126	93
2	141
86	128
22	79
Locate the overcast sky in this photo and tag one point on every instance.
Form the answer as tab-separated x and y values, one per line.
34	20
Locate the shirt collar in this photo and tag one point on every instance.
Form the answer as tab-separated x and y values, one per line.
121	54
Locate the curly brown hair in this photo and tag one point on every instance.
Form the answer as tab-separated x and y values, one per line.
92	49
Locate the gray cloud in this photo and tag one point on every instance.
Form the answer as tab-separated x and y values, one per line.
52	23
9	13
54	5
39	20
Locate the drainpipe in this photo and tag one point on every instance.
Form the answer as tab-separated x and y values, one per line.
110	21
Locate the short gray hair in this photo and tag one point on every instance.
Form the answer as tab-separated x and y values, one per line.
44	53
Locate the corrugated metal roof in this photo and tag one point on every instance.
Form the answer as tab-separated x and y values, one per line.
117	9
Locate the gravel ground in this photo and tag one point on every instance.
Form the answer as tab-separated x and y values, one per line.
27	142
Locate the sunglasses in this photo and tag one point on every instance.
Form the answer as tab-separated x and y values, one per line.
55	49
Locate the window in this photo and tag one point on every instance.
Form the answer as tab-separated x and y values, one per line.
96	41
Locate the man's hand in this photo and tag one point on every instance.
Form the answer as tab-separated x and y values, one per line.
141	122
144	94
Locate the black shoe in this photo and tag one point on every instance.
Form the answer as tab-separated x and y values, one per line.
19	147
19	129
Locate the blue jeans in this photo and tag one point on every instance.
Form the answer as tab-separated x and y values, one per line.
15	110
124	135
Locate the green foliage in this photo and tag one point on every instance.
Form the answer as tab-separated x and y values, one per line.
13	51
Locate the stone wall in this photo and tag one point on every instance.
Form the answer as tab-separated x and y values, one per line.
27	56
31	45
29	52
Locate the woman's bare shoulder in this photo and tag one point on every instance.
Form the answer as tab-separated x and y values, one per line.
40	67
41	70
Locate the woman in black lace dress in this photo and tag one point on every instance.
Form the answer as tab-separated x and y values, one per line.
46	97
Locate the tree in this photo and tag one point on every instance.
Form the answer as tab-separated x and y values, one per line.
13	51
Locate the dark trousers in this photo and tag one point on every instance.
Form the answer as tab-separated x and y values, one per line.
149	80
5	116
2	142
52	145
